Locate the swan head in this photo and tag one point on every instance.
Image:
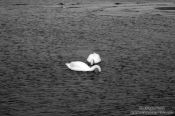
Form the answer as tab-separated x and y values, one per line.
94	58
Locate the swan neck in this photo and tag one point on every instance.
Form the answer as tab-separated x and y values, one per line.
94	67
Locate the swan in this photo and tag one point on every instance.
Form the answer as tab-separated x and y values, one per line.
81	66
94	58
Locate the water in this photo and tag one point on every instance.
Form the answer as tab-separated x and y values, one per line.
36	42
165	8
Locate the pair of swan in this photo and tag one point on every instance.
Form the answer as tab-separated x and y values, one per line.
81	66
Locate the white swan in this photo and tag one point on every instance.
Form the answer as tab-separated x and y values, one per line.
81	66
94	58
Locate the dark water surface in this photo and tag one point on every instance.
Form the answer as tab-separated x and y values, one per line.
138	62
165	8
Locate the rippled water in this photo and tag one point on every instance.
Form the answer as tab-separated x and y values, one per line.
137	62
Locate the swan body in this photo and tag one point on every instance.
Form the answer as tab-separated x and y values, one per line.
94	58
81	66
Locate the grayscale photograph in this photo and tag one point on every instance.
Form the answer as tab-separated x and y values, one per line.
87	57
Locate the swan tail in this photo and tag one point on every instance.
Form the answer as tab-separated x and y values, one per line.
67	64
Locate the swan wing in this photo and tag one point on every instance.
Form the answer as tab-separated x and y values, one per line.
97	59
94	57
78	66
90	57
